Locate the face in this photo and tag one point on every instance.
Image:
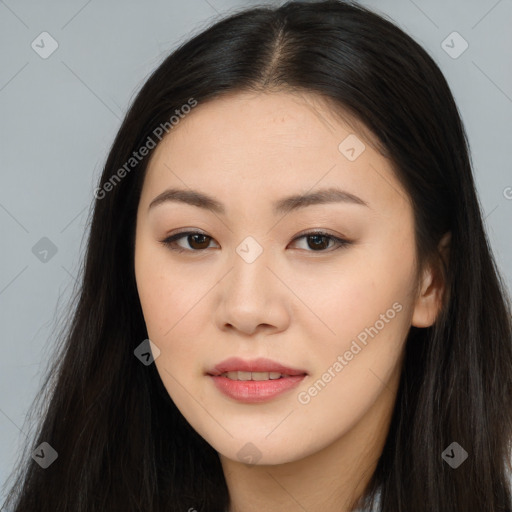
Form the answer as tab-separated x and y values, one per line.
251	280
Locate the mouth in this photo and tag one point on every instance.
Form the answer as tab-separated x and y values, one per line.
254	381
236	368
259	376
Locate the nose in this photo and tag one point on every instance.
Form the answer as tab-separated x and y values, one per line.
252	296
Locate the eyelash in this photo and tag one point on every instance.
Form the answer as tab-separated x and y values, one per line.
170	241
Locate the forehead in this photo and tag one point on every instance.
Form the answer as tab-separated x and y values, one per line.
295	116
271	142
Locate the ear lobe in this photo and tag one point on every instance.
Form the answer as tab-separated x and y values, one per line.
432	287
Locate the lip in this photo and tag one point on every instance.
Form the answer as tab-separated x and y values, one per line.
261	364
255	391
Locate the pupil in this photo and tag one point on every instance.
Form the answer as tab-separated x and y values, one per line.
200	243
318	238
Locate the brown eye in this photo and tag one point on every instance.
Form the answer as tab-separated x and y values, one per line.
318	241
196	241
321	242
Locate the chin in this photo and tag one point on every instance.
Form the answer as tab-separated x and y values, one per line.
259	451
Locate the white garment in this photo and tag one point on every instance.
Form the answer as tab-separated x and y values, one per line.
377	503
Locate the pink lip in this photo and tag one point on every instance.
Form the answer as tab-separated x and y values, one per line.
261	364
255	391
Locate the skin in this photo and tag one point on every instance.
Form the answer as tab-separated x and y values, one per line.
295	304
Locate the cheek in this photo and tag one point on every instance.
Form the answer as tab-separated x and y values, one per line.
169	299
162	295
369	298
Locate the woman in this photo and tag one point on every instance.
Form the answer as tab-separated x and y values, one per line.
214	362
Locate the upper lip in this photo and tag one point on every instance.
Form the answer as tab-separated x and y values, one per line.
253	365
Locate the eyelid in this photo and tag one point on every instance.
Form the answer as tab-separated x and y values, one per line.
340	242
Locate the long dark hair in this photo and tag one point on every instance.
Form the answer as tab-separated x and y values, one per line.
123	445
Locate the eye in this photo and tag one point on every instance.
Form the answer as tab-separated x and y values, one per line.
200	241
318	241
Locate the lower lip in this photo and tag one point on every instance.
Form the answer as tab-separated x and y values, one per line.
255	391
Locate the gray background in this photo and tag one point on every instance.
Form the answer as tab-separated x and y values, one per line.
59	116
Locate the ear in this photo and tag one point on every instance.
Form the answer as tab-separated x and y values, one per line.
432	287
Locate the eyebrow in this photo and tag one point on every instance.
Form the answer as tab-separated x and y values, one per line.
286	204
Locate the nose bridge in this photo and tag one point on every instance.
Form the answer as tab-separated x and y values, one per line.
250	272
250	294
